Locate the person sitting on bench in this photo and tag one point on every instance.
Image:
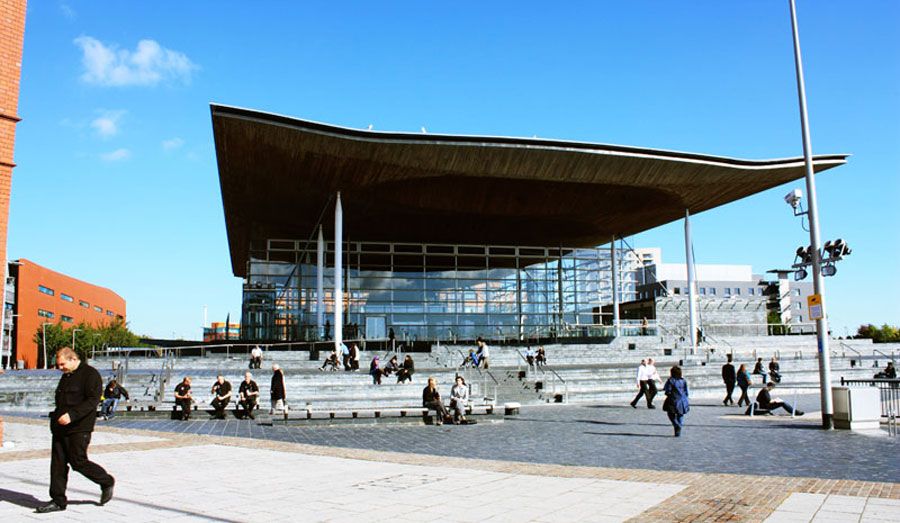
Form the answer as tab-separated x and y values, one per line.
406	370
766	403
431	399
391	366
249	392
221	391
459	397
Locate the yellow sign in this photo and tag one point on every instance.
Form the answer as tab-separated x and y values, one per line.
814	302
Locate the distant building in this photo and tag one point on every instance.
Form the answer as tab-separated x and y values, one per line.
731	300
35	295
217	331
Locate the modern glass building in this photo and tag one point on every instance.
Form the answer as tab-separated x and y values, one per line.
448	236
435	292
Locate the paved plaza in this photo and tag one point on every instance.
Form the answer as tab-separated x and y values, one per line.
555	463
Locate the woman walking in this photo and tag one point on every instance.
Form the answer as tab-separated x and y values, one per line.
743	381
676	404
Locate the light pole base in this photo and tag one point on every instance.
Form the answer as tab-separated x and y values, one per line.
827	421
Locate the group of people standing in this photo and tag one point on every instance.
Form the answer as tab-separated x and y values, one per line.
348	359
743	379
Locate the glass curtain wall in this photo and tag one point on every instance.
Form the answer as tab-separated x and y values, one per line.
434	292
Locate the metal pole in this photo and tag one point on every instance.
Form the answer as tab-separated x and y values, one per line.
692	286
614	261
338	275
44	330
320	285
813	213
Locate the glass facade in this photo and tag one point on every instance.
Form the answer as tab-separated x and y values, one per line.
433	292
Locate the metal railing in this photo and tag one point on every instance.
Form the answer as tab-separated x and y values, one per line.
891	356
890	392
556	381
847	347
477	379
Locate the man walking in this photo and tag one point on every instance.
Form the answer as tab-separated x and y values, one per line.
729	377
71	424
642	384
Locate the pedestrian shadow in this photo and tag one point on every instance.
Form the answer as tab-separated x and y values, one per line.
28	501
631	434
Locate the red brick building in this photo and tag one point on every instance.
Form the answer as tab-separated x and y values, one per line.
41	295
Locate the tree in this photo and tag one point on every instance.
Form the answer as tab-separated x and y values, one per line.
775	325
885	334
87	337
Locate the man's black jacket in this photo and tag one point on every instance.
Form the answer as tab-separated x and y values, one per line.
77	395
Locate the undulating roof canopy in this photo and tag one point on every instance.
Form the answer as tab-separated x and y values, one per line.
277	174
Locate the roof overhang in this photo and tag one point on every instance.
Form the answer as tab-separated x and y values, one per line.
277	174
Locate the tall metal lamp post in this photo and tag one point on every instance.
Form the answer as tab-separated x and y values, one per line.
74	330
44	331
813	212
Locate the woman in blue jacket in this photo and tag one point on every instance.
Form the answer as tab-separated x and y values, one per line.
743	381
676	404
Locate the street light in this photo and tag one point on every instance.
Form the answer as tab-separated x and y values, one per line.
44	330
73	337
813	214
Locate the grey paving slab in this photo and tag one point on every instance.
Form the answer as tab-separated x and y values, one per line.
617	436
226	483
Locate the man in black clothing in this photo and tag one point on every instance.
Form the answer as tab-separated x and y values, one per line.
184	398
71	424
222	390
765	401
729	377
249	392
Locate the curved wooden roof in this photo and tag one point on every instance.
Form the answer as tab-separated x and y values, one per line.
277	173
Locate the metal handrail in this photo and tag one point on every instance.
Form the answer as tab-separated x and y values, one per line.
845	346
883	354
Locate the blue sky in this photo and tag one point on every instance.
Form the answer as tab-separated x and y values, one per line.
117	183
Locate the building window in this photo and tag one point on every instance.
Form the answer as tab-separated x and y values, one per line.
727	291
45	290
702	291
737	291
98	309
796	292
119	317
750	292
67	298
109	313
45	314
67	319
84	304
712	291
677	290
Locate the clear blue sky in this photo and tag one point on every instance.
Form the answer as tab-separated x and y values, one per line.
117	184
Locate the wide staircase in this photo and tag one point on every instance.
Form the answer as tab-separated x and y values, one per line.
575	373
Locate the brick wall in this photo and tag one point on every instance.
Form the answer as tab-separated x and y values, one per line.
12	35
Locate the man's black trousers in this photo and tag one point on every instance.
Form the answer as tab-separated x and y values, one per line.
71	450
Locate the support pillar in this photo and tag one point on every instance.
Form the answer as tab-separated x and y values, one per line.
338	274
320	286
691	277
614	267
